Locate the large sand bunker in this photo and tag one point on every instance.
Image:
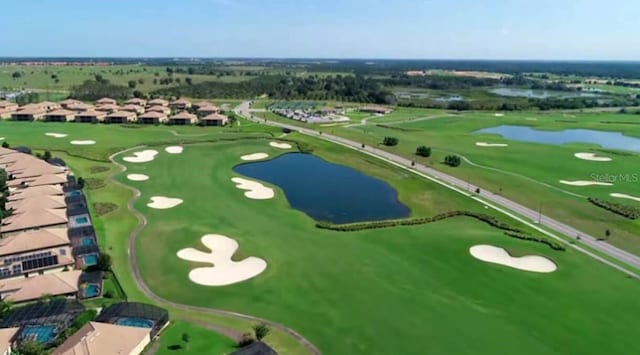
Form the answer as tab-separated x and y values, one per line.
142	156
629	197
163	203
255	190
591	156
55	135
485	144
254	156
137	177
280	145
499	114
496	255
85	142
174	149
585	183
223	271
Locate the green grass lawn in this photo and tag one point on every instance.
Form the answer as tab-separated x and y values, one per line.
535	183
201	340
402	290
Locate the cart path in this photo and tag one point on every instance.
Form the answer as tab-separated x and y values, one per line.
142	222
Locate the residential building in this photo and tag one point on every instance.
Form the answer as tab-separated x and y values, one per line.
183	118
96	338
67	102
208	110
162	109
33	288
108	108
7	336
91	116
202	104
80	107
28	113
152	117
380	110
120	117
136	101
133	108
106	101
8	105
180	104
59	115
214	119
49	106
158	102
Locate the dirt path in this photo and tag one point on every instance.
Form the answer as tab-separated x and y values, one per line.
142	222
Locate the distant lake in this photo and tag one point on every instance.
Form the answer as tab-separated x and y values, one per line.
423	95
540	94
327	191
610	140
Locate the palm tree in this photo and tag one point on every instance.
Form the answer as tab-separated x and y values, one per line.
260	331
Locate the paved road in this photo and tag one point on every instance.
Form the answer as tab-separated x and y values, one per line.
531	217
142	222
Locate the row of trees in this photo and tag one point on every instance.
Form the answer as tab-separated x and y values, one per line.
92	90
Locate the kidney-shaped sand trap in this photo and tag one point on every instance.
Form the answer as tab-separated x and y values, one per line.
137	177
254	156
496	255
55	135
585	183
280	145
485	144
591	156
163	203
223	271
629	197
142	156
175	149
85	142
255	190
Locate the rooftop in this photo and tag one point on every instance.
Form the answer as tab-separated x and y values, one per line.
6	337
33	240
34	218
104	339
33	288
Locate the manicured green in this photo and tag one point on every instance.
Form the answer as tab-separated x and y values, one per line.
376	291
201	340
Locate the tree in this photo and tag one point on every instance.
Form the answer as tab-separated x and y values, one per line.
104	262
260	331
16	75
132	84
5	307
185	339
423	151
46	155
607	233
390	141
188	80
81	182
139	94
30	347
452	160
5	145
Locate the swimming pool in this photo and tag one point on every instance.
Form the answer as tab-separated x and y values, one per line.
135	322
92	290
82	220
41	333
89	260
74	193
87	241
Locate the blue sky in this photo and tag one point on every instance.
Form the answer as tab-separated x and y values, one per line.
467	29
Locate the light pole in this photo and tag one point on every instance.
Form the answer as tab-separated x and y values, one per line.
539	212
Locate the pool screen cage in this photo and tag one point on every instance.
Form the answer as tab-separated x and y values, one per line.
159	316
58	313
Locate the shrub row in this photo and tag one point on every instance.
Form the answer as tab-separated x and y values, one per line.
490	220
617	208
403	129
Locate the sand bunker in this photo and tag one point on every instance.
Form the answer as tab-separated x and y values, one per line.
499	114
255	190
485	144
137	177
591	156
223	271
1	138
174	149
163	203
254	156
55	135
280	145
585	183
87	142
533	263
141	157
618	195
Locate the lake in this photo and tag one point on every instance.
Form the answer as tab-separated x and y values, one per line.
327	191
610	140
540	94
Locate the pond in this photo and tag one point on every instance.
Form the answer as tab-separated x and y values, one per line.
326	191
610	140
540	94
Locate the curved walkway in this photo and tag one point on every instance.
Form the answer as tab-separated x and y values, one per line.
142	222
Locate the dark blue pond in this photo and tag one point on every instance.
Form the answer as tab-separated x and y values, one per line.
611	140
326	191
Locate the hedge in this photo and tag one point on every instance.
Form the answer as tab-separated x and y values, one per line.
617	208
490	220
